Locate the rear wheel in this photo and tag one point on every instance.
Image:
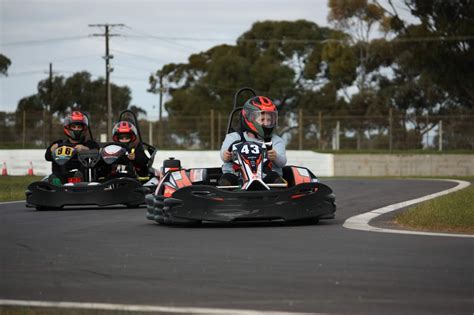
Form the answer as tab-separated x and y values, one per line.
308	221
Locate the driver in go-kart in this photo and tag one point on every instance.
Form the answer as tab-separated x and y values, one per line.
125	133
258	120
75	128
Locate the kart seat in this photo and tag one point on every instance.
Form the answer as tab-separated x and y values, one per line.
213	175
288	176
205	176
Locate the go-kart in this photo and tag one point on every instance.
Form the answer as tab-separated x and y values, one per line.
93	183
192	196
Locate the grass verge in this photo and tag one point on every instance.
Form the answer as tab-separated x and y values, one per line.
26	310
13	187
453	213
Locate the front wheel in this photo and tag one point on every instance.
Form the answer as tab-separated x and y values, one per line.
45	208
133	205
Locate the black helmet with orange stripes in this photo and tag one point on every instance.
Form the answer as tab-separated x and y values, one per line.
259	116
125	132
75	126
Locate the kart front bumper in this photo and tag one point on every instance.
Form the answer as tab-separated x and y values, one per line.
208	203
116	191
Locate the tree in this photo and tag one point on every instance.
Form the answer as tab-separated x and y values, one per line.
7	133
358	17
277	58
449	57
352	60
431	59
4	64
59	96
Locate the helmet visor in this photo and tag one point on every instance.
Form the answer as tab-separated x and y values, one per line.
76	126
76	118
124	137
267	119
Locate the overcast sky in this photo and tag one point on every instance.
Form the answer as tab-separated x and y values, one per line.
34	33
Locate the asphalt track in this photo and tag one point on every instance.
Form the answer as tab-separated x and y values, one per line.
115	255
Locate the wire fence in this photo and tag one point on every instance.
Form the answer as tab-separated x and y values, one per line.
300	131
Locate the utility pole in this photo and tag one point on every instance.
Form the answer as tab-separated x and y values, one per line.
50	116
48	107
300	129
160	124
108	70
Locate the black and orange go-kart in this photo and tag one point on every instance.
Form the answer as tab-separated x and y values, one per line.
93	182
192	196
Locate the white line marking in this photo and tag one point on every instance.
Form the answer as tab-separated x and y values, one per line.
140	308
361	221
7	202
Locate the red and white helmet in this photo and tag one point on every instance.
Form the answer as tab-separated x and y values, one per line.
123	128
259	116
76	118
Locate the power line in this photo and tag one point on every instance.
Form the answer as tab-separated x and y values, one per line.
303	40
101	76
173	39
168	41
60	60
136	55
17	74
43	41
122	65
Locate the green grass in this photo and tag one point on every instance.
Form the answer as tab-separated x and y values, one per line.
13	187
24	310
450	213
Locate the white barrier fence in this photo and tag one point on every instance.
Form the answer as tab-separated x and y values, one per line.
18	161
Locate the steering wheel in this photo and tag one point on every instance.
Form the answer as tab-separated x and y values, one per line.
89	158
234	160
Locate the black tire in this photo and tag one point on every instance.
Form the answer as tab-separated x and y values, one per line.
308	221
161	221
194	223
133	205
45	208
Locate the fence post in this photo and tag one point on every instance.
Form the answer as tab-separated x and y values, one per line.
219	128
160	134
212	129
390	129
427	132
44	128
320	131
24	128
150	132
440	136
300	129
50	125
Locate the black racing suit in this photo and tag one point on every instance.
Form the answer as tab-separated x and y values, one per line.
139	164
63	171
137	167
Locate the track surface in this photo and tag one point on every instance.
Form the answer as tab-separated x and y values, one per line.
114	255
